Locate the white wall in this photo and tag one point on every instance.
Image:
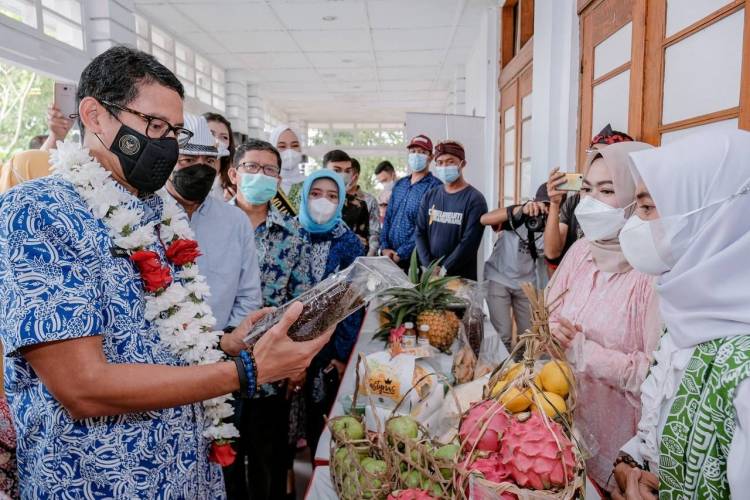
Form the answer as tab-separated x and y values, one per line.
554	87
482	99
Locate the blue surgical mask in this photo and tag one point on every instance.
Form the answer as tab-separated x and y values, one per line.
448	174
258	188
417	162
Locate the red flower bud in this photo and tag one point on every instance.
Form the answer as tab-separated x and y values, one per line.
181	252
222	453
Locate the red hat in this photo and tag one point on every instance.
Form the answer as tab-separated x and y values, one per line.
421	141
449	147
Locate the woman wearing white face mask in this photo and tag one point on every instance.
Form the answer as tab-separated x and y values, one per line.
603	312
692	230
334	247
288	143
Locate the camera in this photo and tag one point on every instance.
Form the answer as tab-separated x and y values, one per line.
536	224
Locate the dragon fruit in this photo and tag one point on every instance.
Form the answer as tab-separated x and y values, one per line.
491	468
487	413
532	455
410	494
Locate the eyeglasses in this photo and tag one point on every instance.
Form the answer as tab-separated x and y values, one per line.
156	128
254	168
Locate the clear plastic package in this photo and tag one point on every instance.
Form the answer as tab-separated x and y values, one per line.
335	298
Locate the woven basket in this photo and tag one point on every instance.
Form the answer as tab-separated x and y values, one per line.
350	479
412	457
535	345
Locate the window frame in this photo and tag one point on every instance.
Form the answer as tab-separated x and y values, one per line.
649	43
39	26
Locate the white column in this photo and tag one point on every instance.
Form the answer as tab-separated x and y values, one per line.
236	94
255	113
554	87
111	22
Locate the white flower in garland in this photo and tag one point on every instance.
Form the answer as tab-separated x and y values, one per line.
184	322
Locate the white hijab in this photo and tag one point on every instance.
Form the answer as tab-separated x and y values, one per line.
289	176
706	294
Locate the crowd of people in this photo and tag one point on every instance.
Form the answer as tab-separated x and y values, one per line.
131	273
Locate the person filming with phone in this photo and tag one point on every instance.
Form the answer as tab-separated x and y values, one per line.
562	229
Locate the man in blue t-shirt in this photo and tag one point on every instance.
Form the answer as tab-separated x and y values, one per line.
397	234
448	224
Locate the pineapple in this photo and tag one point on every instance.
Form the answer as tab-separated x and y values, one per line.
427	303
443	327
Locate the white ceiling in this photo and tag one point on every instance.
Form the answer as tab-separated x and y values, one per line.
374	61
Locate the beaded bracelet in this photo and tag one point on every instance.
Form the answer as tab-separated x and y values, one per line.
626	459
251	369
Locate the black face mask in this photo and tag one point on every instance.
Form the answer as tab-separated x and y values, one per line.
194	182
147	163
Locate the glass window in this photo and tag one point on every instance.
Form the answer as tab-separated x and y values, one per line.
205	96
614	51
702	72
141	26
70	9
610	102
182	52
203	80
184	71
683	13
161	39
62	29
163	56
20	10
143	45
202	65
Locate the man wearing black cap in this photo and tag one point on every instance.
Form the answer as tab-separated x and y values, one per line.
448	224
397	236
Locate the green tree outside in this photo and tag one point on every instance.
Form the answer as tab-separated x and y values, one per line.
24	98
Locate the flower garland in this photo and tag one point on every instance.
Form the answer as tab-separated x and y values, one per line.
176	306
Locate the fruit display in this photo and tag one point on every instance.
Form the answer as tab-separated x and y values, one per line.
519	441
358	468
421	463
411	494
335	298
428	302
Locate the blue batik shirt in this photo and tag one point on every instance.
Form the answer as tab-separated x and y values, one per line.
59	280
400	223
284	261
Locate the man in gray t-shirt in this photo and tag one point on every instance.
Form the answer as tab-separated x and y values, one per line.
513	262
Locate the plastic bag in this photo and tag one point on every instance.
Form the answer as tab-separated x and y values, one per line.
335	298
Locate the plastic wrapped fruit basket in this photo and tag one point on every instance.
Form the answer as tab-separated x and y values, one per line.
520	441
335	298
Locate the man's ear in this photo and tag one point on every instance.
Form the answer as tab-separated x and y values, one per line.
232	173
92	114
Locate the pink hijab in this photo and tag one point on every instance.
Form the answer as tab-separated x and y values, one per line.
608	255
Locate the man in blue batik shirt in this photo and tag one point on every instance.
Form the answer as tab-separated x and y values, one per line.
397	236
102	406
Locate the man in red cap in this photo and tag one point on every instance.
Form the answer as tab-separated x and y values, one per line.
397	234
448	224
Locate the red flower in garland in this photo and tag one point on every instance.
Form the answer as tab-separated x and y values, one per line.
222	453
182	252
155	276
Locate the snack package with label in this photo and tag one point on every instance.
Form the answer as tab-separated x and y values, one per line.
386	378
335	298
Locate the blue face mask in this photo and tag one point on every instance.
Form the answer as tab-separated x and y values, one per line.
417	162
448	174
258	188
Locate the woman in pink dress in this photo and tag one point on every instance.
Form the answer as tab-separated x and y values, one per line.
604	313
